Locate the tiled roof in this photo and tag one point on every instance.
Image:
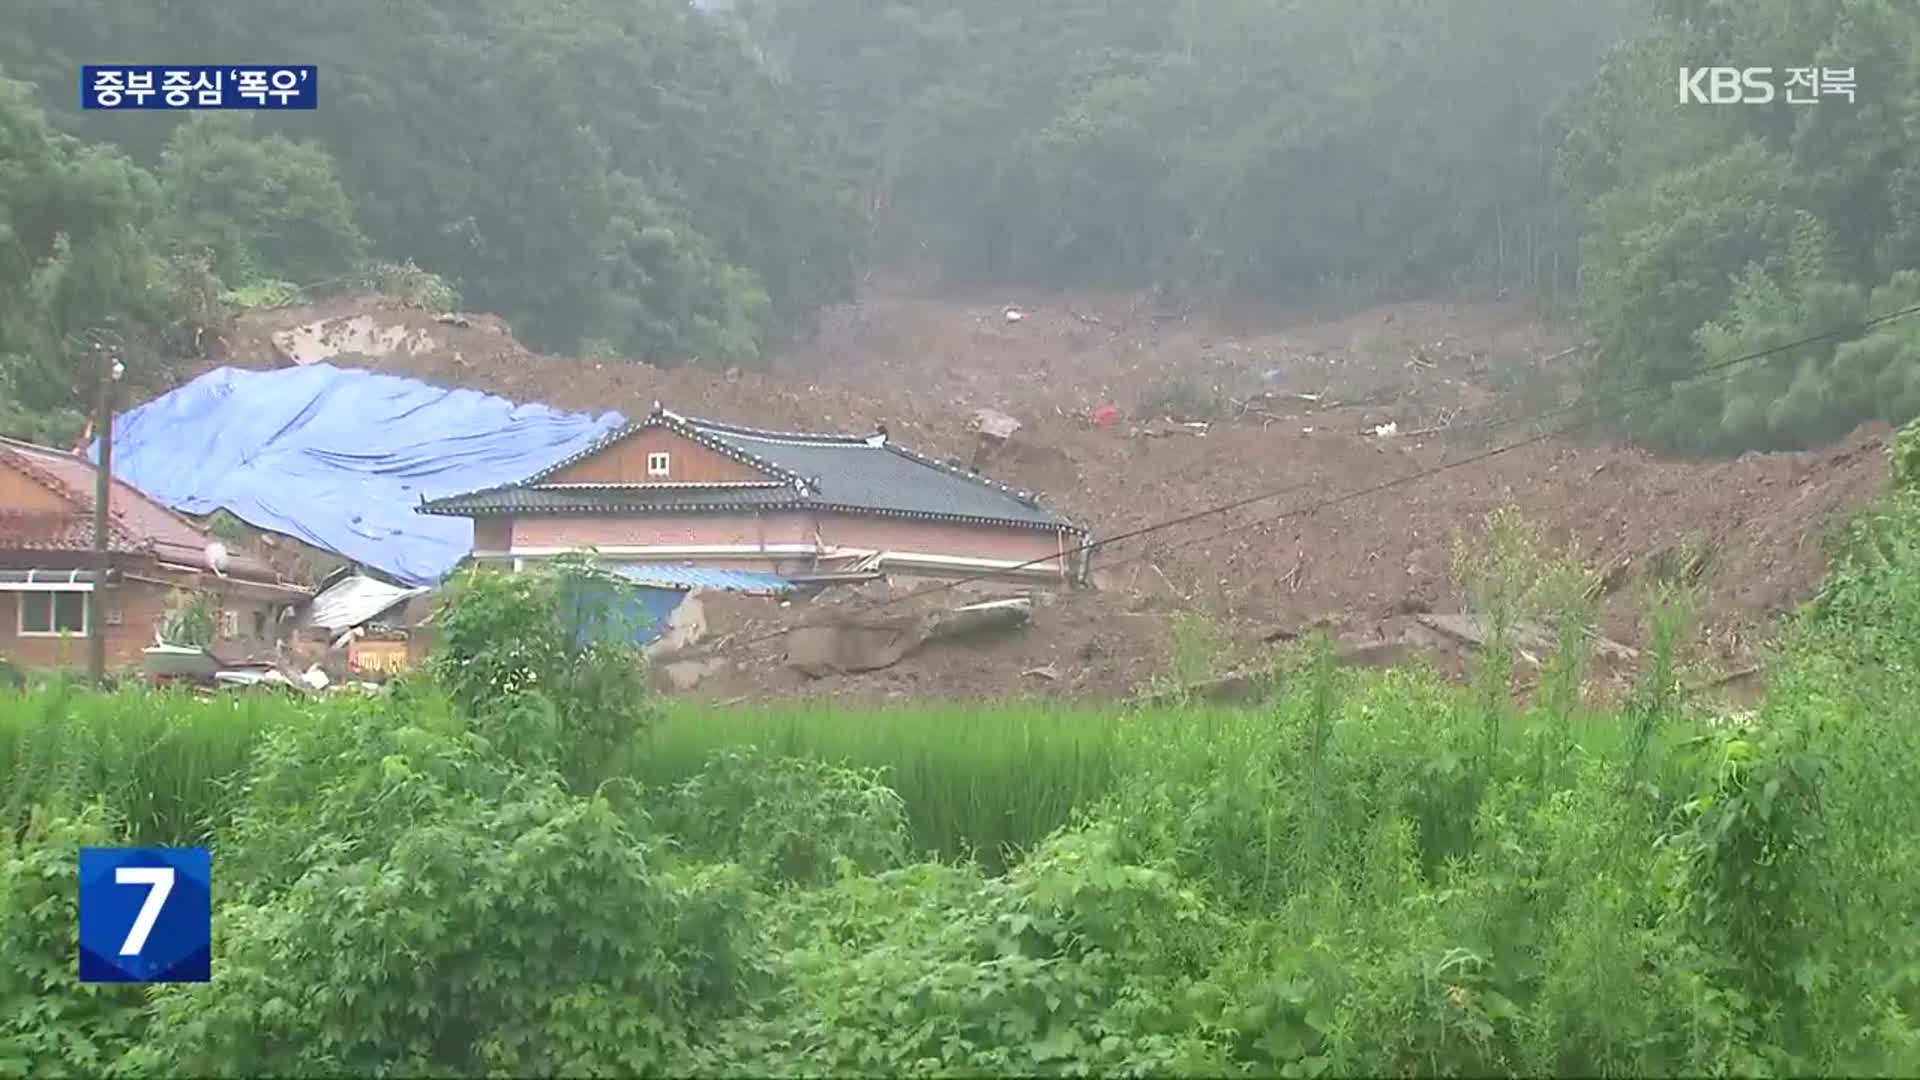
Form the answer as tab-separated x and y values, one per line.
135	523
823	472
41	530
611	499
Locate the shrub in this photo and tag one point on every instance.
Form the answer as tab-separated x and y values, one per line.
192	621
409	284
1360	877
547	665
498	924
1904	458
789	820
51	1024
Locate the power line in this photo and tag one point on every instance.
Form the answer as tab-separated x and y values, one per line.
1718	368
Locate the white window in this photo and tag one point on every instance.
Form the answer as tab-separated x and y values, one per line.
50	614
658	464
229	624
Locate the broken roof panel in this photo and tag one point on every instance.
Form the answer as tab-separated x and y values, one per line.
690	578
356	600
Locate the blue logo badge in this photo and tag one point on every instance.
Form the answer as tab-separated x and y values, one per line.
146	914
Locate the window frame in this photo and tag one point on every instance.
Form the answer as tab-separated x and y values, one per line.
665	461
53	614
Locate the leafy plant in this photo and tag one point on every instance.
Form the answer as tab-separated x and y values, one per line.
1361	876
411	285
266	293
788	820
1904	457
547	663
266	209
51	1024
192	621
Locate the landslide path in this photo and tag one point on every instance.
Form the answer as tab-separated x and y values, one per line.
1294	406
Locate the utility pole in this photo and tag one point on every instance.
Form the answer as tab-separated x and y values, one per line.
108	372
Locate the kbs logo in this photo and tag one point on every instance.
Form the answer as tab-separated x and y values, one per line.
1756	85
1726	86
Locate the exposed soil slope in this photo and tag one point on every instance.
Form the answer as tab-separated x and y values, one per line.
1292	409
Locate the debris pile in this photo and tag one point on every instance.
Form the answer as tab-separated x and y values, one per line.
1307	413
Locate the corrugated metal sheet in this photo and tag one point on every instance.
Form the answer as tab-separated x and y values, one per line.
687	578
355	600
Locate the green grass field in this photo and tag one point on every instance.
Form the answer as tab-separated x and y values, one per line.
1373	873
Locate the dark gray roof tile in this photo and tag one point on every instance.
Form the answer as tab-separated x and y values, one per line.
839	472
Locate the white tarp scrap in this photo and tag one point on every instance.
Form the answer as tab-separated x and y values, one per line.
356	600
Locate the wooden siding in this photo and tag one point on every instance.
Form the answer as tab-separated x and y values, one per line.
625	462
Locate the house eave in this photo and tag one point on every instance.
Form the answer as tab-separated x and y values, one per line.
1060	525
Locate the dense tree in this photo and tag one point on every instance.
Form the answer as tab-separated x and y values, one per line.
1278	151
259	207
1715	232
507	144
74	260
686	182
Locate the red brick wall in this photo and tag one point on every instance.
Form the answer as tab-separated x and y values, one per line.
939	538
625	462
680	530
492	534
140	607
844	530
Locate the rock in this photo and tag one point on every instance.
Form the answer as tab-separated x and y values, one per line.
684	675
993	424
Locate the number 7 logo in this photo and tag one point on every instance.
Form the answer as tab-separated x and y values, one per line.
161	930
161	880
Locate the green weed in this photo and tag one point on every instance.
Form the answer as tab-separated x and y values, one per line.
1369	874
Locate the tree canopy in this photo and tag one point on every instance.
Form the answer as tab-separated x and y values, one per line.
621	173
651	179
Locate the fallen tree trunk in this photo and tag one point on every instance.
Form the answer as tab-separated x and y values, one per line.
1471	630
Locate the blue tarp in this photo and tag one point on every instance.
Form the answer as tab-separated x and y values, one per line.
657	607
658	590
641	611
339	458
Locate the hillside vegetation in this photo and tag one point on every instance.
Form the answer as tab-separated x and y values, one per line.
520	866
643	179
